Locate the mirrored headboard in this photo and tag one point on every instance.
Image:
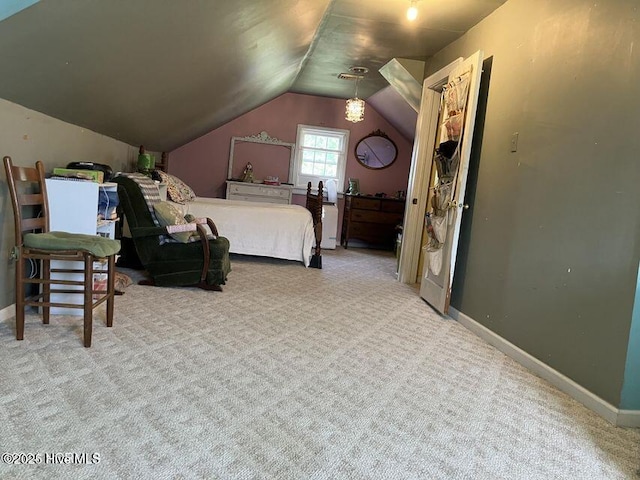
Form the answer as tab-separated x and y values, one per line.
264	138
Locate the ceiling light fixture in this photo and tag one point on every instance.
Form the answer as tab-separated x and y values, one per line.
354	111
412	12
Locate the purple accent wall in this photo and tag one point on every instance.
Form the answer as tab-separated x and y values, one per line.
203	163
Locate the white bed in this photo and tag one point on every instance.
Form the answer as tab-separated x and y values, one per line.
263	229
290	232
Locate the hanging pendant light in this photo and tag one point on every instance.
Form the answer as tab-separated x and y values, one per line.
412	11
354	111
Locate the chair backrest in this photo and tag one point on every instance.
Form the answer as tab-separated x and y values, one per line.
138	211
28	192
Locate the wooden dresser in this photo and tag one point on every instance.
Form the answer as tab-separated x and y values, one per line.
259	192
372	220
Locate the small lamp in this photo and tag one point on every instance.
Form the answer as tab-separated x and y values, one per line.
146	162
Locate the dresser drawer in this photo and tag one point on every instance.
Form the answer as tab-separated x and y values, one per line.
260	190
259	199
364	230
375	234
371	216
391	206
365	203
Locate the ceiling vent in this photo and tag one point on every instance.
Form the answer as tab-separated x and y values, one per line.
357	73
348	76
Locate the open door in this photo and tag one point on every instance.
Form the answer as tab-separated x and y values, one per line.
437	180
448	180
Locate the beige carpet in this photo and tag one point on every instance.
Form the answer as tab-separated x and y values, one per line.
291	373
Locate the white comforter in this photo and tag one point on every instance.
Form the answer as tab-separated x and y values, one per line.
264	229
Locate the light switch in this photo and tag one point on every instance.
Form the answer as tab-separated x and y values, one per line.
514	142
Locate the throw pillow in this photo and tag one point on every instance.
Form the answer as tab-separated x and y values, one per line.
177	190
168	215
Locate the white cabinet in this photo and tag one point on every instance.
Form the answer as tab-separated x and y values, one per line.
73	207
329	227
259	192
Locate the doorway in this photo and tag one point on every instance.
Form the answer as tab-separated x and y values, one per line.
424	178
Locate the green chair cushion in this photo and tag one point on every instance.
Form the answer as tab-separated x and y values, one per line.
96	245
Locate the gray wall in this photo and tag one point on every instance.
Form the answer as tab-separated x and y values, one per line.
552	240
27	136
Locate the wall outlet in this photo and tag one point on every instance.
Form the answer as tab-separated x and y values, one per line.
13	253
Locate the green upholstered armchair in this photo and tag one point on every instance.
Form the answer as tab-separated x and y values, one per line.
203	263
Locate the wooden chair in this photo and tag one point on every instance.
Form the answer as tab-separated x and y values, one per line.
34	242
314	205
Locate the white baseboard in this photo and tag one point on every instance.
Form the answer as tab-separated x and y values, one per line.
628	418
8	312
620	418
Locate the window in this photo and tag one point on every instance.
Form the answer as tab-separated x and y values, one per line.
321	154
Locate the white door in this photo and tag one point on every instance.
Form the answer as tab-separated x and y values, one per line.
445	180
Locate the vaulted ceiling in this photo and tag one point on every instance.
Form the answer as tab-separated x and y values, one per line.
161	73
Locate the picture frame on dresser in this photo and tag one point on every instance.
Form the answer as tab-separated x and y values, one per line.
354	186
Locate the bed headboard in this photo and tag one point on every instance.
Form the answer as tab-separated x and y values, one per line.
164	162
264	138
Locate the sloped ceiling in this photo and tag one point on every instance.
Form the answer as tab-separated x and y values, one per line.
161	73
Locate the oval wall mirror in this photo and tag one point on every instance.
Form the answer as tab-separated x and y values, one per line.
376	151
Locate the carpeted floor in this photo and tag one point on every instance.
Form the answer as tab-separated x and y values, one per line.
290	373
